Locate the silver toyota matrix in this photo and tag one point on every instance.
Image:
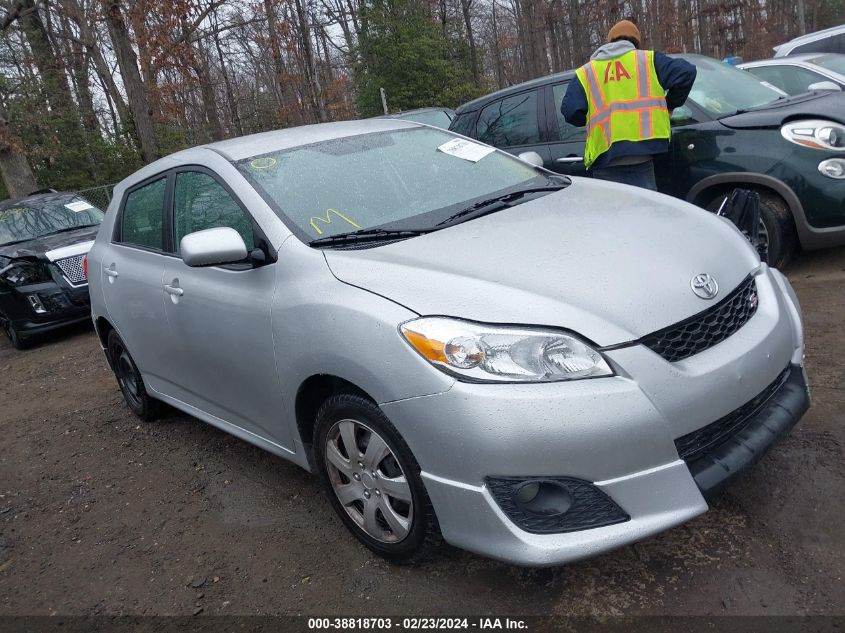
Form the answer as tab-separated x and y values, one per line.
464	346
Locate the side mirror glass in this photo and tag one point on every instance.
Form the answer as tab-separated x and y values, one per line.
680	115
211	247
824	85
532	158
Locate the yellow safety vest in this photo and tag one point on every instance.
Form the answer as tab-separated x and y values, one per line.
625	102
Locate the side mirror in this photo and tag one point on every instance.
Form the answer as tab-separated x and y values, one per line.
825	85
681	115
532	158
210	247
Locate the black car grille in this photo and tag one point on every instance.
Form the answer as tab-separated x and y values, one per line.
706	329
707	438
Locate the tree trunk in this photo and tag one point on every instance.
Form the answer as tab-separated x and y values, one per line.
128	63
56	89
209	96
473	50
281	87
14	168
230	94
312	79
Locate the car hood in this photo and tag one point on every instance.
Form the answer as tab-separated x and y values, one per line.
821	104
40	246
610	262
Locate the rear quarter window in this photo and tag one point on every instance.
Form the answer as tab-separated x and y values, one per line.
462	124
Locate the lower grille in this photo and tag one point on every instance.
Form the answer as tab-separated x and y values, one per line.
72	269
709	437
706	329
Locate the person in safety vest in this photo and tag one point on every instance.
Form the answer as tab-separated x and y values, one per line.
624	96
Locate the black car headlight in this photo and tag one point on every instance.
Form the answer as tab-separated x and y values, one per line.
816	134
23	273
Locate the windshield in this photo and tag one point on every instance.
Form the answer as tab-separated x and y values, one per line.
836	63
723	90
30	219
402	178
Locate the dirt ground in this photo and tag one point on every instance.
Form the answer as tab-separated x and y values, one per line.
102	514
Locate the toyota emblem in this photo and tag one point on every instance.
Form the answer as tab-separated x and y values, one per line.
704	286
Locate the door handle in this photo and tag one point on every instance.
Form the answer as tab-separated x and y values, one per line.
173	290
111	272
570	159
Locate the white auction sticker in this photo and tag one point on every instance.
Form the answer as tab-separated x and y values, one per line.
467	150
79	205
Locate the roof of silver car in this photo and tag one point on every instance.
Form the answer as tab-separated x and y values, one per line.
276	140
789	59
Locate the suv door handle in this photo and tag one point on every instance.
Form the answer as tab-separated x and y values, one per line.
173	290
111	272
570	159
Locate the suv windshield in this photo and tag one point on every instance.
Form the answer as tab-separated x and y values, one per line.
723	90
30	219
402	178
836	63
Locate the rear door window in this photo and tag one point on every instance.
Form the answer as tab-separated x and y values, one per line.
566	132
142	222
510	121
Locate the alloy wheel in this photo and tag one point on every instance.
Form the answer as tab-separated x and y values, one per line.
369	481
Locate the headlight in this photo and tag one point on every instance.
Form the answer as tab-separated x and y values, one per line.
817	134
490	353
22	273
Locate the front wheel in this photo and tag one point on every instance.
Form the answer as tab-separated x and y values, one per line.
17	341
777	228
373	480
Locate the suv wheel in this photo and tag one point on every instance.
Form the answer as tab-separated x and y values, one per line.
129	380
373	480
780	229
777	228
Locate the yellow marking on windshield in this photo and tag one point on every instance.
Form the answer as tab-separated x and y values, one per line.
263	163
328	220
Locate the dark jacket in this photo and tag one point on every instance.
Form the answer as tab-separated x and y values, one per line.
675	75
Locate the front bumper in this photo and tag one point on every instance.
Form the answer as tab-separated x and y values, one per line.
619	434
721	451
62	306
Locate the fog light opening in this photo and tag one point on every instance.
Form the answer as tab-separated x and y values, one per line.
833	168
542	497
36	304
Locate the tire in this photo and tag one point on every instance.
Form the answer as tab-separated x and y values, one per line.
400	530
17	341
130	381
778	224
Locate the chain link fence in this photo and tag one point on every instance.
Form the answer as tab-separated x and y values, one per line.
98	196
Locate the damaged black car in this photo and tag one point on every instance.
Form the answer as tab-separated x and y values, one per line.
43	282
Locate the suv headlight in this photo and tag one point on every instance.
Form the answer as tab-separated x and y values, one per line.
816	134
491	353
22	273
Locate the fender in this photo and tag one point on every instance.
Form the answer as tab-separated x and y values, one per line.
810	237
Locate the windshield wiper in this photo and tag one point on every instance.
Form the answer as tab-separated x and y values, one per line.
497	203
67	229
369	235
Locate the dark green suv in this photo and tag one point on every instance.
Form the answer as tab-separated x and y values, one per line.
732	132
